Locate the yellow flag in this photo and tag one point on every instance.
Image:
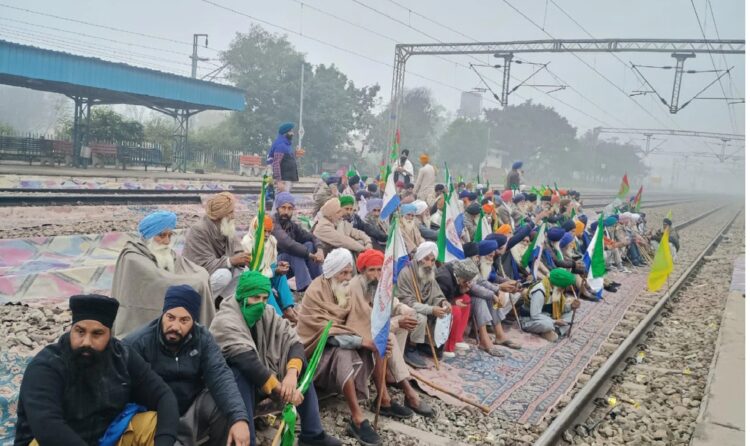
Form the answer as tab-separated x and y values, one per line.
662	266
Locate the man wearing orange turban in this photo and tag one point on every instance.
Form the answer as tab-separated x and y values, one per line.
426	175
363	288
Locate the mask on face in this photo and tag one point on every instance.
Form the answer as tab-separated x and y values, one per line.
253	312
289	136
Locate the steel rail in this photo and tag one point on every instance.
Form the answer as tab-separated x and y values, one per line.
578	405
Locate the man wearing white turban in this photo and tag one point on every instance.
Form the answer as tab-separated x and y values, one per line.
421	276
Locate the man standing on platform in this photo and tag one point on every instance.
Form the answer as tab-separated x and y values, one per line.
283	158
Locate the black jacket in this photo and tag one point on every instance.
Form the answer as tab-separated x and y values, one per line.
290	238
379	237
54	411
197	364
447	282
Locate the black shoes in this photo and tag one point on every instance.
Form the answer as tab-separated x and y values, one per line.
414	359
322	439
365	434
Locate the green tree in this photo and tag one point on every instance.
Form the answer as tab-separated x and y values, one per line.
420	123
269	69
464	142
106	125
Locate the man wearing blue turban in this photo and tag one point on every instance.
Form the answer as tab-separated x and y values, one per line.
282	157
146	267
513	180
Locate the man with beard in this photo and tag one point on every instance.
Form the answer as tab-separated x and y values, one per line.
281	299
432	305
347	361
283	158
470	221
211	411
545	311
325	192
296	246
377	229
74	389
403	170
334	232
454	279
403	320
147	267
422	220
266	355
409	228
490	302
513	180
212	243
505	211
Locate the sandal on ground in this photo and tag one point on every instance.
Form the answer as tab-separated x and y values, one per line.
493	352
509	344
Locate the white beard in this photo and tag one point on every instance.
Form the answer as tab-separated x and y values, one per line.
340	292
425	276
163	255
408	225
227	227
485	268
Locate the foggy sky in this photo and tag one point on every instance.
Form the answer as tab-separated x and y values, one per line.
481	20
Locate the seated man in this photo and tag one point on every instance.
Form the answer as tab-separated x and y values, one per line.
378	229
281	299
74	389
333	234
212	243
470	221
674	238
147	267
416	287
545	311
266	355
422	219
409	227
403	320
491	302
454	279
296	246
211	411
325	192
347	361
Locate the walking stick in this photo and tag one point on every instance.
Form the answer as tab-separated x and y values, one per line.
515	313
429	334
573	317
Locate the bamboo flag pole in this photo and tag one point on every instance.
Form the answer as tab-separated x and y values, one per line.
429	334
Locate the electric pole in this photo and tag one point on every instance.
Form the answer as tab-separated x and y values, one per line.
195	57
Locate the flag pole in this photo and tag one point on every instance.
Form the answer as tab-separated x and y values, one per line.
573	317
429	334
384	359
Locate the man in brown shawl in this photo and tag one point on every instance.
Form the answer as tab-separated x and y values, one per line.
266	355
363	287
145	269
431	303
213	244
332	235
410	227
347	361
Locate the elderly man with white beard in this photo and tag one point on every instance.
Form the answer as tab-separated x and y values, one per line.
491	302
410	227
421	272
213	244
148	266
347	361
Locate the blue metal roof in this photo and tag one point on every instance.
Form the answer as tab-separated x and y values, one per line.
110	82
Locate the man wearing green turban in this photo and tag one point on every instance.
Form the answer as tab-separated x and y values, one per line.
545	311
266	355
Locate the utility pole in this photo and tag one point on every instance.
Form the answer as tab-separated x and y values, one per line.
301	131
195	57
677	83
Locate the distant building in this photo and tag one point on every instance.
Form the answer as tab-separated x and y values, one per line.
471	105
492	166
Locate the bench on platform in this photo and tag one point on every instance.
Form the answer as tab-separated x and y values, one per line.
142	156
21	148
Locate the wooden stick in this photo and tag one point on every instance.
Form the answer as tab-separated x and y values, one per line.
572	318
384	360
277	438
515	313
429	334
484	409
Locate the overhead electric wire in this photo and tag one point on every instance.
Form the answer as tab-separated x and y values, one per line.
323	42
723	56
732	118
477	59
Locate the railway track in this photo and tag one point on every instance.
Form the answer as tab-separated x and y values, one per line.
590	397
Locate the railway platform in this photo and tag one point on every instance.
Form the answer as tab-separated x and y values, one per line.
722	417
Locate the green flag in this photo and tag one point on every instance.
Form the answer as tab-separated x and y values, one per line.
260	232
478	233
598	263
289	414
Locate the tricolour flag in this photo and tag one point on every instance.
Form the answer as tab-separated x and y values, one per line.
533	252
260	232
662	266
396	257
624	188
289	414
449	241
593	259
362	207
391	200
